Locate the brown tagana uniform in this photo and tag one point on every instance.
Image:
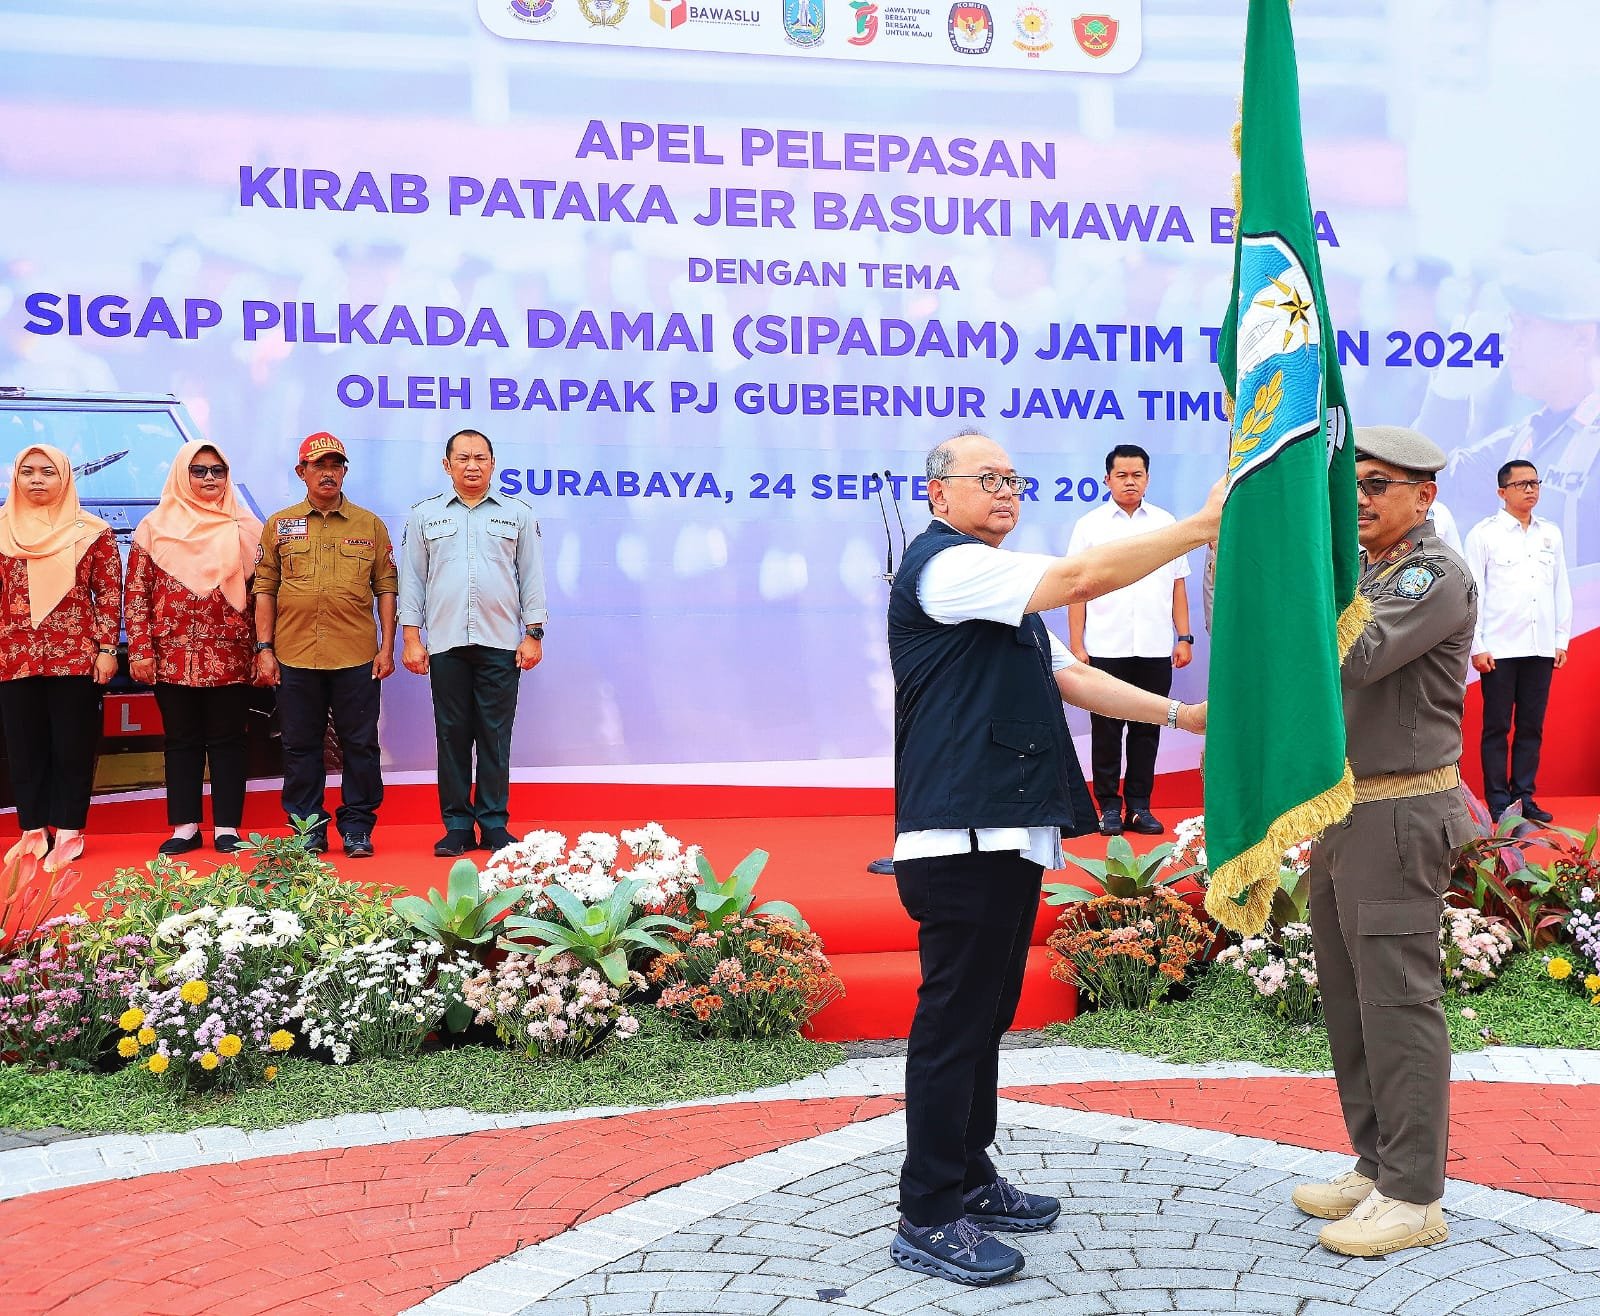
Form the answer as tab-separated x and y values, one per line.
1378	879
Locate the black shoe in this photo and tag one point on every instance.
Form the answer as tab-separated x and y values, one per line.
316	843
1111	821
1533	813
357	845
958	1251
225	842
1005	1208
1144	822
495	838
175	845
453	844
882	867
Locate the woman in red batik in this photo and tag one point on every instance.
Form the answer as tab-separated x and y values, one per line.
60	606
191	634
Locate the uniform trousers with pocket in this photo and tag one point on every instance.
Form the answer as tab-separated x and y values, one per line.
974	915
1377	897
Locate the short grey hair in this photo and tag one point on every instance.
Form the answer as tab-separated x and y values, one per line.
942	456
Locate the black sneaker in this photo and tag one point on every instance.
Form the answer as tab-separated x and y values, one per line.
316	843
357	845
958	1251
1533	813
1111	821
1144	822
453	844
882	867
1004	1207
176	845
496	838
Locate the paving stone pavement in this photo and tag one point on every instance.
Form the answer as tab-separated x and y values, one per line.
1143	1229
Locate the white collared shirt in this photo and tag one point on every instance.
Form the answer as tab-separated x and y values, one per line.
1444	526
1524	597
1136	620
974	582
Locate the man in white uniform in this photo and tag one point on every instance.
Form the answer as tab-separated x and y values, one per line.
1139	634
1524	626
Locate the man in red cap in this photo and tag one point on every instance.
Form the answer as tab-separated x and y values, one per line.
322	565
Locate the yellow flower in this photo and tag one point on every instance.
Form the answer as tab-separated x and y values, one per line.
1592	983
130	1019
146	1035
230	1045
194	992
1559	968
281	1040
270	1073
127	1048
157	1064
209	1061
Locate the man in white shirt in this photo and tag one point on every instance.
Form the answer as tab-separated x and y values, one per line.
1139	634
985	783
1524	627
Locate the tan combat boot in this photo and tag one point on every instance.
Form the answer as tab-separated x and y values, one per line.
1381	1225
1336	1199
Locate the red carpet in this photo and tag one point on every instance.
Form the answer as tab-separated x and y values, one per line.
819	840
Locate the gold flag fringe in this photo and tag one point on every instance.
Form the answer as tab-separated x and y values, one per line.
1240	892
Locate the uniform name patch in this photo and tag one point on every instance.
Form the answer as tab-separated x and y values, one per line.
1416	581
294	528
358	543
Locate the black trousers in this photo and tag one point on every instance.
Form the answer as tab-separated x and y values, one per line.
1520	688
52	726
474	706
974	916
201	723
1105	736
305	698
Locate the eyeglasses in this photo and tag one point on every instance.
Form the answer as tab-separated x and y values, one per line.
1375	486
991	481
217	472
1527	486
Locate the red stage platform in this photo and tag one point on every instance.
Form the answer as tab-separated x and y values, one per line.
820	841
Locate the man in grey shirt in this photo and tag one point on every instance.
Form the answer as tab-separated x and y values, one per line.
472	575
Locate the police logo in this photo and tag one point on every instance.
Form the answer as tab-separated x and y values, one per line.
971	29
1414	582
604	13
1033	31
533	11
1280	382
1095	34
804	22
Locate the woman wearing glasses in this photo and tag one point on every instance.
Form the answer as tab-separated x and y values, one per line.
191	634
60	602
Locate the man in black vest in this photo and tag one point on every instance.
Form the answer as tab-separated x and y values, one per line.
986	783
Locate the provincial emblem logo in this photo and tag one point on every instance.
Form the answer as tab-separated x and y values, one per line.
866	22
971	29
669	13
1096	33
1033	31
1280	382
604	13
804	21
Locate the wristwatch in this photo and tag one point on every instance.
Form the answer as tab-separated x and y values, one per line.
1185	639
1172	714
536	633
265	646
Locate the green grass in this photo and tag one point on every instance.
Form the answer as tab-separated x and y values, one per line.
660	1064
1221	1021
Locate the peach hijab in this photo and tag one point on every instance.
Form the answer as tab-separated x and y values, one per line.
52	540
203	546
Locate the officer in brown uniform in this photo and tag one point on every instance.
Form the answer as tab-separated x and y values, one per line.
322	566
1378	879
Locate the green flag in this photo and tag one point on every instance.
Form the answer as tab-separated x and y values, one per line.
1286	607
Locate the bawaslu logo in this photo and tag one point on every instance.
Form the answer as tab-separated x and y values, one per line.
669	13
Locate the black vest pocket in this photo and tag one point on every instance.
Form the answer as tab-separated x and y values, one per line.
1018	764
